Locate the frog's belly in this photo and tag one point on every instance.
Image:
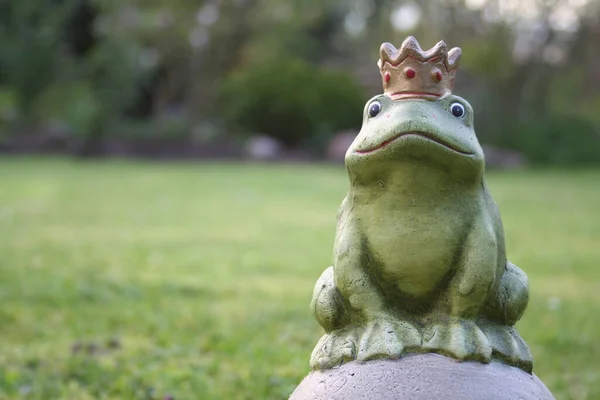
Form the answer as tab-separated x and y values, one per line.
414	256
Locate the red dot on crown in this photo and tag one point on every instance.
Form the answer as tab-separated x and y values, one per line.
386	77
410	73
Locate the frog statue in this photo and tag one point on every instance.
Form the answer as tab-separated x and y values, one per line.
419	257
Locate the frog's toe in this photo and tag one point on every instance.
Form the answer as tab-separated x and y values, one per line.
458	338
332	350
507	344
387	338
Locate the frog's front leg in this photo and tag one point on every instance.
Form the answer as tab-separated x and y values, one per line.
357	326
452	326
383	332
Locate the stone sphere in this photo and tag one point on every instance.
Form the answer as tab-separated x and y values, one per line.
422	376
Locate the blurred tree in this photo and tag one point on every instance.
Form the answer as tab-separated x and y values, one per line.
149	69
30	34
521	69
292	101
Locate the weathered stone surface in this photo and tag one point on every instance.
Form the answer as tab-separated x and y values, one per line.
422	376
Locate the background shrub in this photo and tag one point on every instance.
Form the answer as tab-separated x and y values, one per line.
558	140
290	100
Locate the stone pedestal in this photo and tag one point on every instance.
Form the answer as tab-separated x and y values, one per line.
422	377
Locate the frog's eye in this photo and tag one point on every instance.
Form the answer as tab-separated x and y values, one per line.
457	109
374	108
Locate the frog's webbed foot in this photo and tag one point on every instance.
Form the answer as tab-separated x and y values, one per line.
334	349
381	337
387	337
458	338
507	344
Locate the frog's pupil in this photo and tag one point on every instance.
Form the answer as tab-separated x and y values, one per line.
457	110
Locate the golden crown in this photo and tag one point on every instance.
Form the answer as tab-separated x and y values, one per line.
411	72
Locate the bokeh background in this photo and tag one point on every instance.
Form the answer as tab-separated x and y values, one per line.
123	276
197	78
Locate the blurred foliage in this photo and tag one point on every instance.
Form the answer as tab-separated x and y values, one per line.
106	69
292	101
8	108
559	140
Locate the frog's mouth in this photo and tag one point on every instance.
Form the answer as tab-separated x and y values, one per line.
425	135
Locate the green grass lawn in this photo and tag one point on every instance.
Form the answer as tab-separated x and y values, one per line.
134	280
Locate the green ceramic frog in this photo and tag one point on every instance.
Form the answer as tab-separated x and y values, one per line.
419	255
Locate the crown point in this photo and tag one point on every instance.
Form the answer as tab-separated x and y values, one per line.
412	44
410	73
386	77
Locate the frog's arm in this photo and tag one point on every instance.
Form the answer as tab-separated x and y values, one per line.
352	308
477	273
352	267
481	264
508	301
